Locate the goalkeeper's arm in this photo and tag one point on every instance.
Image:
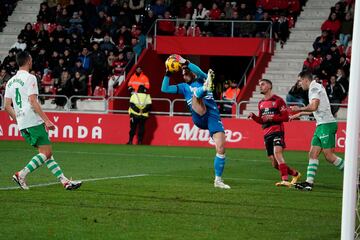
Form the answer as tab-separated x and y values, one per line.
166	87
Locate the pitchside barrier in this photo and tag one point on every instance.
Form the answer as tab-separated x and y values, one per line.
74	126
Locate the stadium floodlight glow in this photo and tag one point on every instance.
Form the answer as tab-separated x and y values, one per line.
349	201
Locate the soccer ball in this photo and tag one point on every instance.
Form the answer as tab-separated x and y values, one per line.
172	65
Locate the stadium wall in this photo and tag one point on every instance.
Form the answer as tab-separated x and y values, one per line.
165	131
211	46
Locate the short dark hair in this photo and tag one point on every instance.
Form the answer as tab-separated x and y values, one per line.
306	74
266	80
22	57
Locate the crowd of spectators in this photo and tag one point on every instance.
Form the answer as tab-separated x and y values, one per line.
193	19
77	46
330	59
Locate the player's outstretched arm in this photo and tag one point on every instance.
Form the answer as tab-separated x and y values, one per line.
9	109
197	71
166	87
35	105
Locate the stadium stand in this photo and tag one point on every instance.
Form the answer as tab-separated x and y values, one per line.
327	53
102	39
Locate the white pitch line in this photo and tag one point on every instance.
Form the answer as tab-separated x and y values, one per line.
143	155
83	180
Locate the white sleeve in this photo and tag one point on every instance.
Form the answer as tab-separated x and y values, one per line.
314	93
32	86
8	93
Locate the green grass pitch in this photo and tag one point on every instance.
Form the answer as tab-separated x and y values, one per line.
165	193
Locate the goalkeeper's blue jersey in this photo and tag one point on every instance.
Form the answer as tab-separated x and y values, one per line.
188	89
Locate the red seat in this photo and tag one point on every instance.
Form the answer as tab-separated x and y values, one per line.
100	91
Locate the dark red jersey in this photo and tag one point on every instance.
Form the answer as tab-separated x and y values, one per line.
273	108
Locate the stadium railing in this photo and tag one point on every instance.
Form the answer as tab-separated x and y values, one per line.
98	104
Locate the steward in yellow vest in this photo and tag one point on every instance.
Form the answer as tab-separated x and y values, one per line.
140	105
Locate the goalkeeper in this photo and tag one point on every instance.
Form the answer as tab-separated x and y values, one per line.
197	90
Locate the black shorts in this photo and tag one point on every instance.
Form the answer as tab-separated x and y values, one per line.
274	139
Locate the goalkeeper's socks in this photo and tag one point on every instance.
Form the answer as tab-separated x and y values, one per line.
200	92
311	170
219	163
35	162
339	163
283	168
56	170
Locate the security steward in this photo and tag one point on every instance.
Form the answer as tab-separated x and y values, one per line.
140	105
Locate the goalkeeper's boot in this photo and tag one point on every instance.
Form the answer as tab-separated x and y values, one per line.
72	185
219	183
21	181
209	83
295	178
304	186
283	184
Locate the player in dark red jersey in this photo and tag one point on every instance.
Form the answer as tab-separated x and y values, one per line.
272	114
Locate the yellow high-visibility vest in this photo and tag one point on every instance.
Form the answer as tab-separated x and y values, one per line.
141	100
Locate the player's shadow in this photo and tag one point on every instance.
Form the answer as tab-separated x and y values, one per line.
150	127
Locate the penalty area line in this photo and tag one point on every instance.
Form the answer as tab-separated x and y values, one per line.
82	180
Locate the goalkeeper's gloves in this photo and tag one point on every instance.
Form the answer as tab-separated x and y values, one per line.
168	73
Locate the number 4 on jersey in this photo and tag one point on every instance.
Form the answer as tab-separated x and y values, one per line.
18	98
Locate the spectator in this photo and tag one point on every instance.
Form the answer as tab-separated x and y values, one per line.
311	64
230	95
137	8
322	44
259	14
97	35
215	12
159	8
148	21
20	44
335	53
339	9
166	26
346	30
44	13
342	80
10	56
335	94
228	10
107	45
78	67
11	67
332	25
98	66
187	9
63	87
327	67
137	79
76	24
296	95
4	78
79	87
281	30
28	34
63	18
85	59
344	64
247	29
140	105
199	12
